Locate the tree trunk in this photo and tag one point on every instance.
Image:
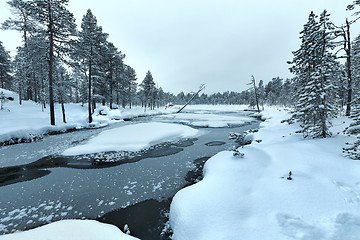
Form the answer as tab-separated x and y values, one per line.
197	93
93	104
111	86
89	93
63	112
20	92
256	95
51	63
348	69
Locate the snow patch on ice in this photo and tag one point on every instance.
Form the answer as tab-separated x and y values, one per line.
133	137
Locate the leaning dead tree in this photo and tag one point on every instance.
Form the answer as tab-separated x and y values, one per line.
202	86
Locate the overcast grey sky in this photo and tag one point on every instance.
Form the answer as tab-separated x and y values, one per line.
185	43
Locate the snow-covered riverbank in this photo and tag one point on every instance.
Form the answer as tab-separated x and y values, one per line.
251	196
29	120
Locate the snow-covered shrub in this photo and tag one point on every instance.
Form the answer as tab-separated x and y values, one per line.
237	153
4	99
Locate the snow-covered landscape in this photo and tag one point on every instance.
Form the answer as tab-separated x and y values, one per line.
249	196
160	120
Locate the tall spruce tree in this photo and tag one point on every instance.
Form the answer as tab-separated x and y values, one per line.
325	77
128	86
88	53
114	63
313	65
148	86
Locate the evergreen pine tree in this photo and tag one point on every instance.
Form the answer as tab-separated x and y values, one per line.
88	53
148	87
286	94
261	93
273	91
57	24
314	66
130	85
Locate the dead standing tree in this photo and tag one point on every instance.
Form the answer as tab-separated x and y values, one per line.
344	33
253	83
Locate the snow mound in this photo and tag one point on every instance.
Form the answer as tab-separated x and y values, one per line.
252	198
71	230
133	137
10	94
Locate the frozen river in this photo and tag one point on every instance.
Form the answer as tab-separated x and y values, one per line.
37	186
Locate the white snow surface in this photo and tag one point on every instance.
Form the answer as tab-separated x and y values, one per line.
250	198
134	137
71	230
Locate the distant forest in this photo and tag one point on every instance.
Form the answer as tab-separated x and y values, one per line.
59	64
56	63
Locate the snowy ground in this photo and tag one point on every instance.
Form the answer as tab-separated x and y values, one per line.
252	198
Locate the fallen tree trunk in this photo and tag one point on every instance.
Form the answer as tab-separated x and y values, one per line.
202	86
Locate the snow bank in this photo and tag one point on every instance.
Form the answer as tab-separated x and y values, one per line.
71	230
133	137
29	120
250	198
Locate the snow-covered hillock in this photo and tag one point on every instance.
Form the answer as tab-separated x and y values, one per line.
251	198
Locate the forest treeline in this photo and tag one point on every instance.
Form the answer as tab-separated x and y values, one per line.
58	63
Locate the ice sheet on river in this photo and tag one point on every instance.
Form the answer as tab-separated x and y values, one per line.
213	119
133	137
